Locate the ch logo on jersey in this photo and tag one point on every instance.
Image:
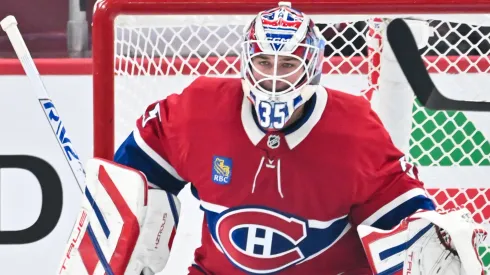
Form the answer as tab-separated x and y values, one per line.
260	241
221	170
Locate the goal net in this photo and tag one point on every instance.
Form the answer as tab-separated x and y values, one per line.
144	51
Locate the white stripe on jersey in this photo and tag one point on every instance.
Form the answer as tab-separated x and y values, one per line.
154	155
393	204
216	208
322	224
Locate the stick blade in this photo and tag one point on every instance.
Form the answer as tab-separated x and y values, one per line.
407	53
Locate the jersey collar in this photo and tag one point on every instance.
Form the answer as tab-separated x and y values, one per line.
293	136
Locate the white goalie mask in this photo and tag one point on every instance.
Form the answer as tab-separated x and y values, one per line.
281	63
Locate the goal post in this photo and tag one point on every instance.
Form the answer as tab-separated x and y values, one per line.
144	50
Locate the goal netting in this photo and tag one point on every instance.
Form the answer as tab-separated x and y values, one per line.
151	55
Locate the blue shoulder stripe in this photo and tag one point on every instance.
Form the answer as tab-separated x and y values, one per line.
397	214
130	154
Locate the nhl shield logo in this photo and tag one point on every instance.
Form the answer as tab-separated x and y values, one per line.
273	141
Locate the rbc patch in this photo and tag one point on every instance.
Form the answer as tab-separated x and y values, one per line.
221	170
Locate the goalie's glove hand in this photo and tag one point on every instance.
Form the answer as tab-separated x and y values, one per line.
428	243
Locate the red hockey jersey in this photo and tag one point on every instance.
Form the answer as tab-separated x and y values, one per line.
286	202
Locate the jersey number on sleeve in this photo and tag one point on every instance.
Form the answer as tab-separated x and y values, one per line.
151	114
408	168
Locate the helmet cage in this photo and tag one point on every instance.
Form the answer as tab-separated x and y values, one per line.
281	32
307	55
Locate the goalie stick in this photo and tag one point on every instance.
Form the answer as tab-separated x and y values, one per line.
406	52
9	25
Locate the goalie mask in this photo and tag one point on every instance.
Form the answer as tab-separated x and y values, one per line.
281	63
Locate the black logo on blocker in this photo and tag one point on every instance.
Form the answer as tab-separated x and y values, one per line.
52	199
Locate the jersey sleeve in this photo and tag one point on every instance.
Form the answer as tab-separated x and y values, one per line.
390	190
149	148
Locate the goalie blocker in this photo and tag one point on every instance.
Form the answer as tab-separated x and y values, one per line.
123	228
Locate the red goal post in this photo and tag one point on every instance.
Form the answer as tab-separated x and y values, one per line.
141	49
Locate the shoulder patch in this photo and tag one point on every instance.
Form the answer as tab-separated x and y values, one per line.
221	170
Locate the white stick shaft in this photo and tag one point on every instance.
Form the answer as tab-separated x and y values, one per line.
9	25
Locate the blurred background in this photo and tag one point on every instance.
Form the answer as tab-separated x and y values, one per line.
51	28
59	29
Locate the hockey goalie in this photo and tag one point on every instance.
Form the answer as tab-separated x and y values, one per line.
293	178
